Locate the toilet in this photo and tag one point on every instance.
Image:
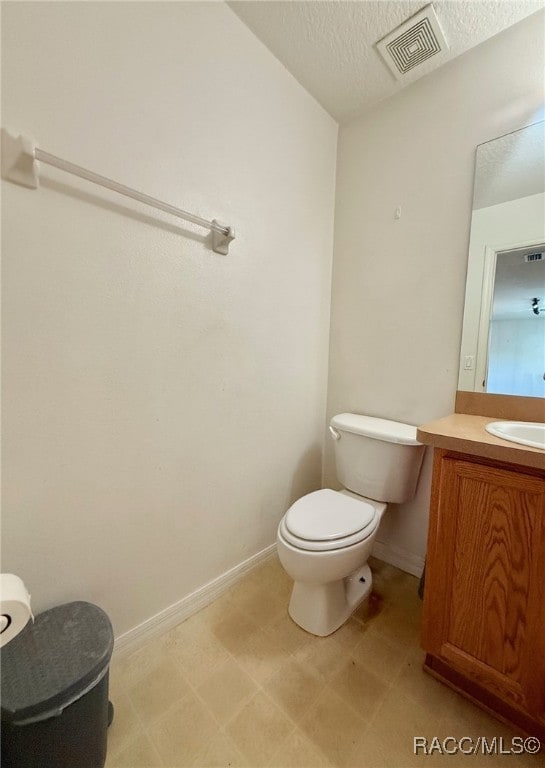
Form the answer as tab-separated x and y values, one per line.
325	538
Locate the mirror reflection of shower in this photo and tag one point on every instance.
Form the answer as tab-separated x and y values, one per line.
516	345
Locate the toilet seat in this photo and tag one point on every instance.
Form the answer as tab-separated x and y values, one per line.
328	520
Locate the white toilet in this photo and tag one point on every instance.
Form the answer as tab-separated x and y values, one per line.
325	538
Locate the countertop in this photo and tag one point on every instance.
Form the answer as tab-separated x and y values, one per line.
466	434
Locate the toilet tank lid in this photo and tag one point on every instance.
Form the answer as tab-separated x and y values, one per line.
381	429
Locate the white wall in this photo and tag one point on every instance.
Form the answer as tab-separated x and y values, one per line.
162	404
398	285
517	357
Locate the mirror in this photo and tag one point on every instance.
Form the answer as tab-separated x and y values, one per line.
503	337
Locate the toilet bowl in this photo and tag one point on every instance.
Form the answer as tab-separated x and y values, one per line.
325	538
323	543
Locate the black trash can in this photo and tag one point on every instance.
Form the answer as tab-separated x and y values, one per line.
55	708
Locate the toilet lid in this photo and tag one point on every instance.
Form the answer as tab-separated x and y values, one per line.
328	515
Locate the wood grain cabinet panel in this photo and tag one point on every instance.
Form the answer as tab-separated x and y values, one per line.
484	606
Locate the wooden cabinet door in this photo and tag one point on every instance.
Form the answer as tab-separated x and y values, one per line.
484	609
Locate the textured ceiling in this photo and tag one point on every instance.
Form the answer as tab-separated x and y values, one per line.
329	47
510	167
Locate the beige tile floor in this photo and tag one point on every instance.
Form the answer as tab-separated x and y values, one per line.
239	684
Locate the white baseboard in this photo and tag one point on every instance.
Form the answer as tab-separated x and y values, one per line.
400	558
169	617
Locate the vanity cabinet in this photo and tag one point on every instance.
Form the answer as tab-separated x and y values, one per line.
484	604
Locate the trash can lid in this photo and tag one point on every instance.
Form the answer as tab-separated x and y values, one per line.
54	661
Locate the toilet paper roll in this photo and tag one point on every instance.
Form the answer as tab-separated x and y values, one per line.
14	607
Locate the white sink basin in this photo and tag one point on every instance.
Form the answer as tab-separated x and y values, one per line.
530	433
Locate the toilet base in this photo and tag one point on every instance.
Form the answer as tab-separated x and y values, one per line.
322	608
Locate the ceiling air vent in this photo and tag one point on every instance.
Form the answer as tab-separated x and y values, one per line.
413	42
534	256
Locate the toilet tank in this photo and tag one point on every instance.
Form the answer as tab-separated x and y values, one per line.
377	458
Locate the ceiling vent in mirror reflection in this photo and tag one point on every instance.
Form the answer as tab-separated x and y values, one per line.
518	286
413	43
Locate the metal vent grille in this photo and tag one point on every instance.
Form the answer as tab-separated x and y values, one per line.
414	46
413	42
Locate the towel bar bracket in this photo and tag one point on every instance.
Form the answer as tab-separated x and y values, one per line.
221	240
